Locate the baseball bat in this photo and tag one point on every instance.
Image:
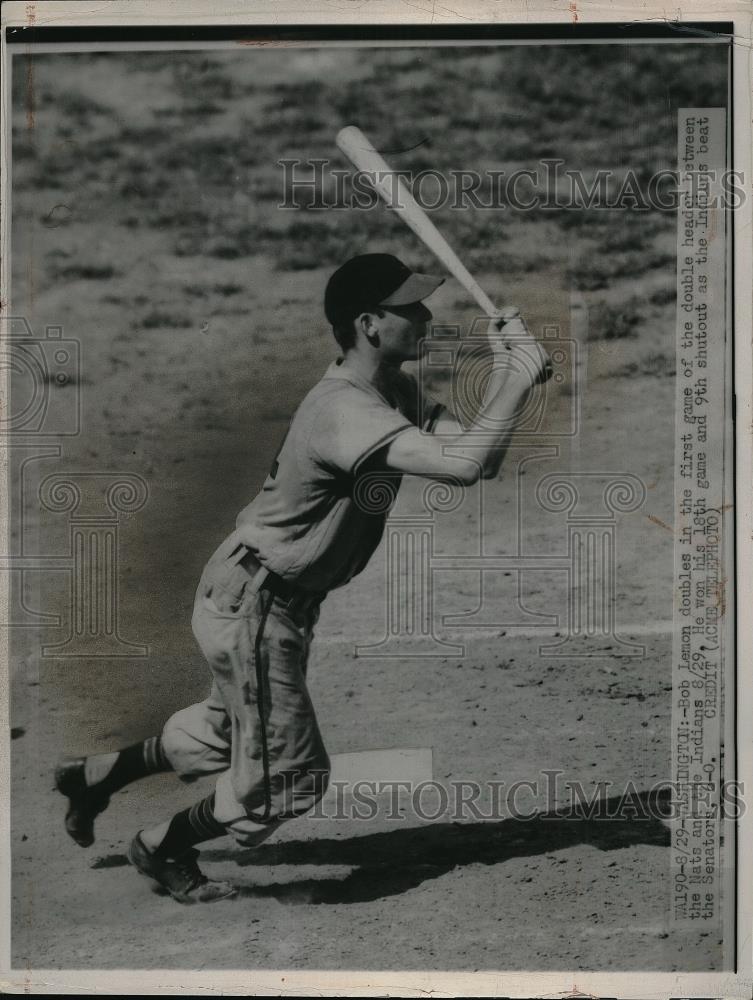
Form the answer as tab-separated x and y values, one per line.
393	190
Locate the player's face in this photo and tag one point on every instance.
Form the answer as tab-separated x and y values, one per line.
401	330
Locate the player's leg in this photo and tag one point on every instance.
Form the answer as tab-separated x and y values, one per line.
197	742
88	782
279	765
194	741
166	853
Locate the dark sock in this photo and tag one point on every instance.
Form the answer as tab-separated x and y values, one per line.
137	761
190	827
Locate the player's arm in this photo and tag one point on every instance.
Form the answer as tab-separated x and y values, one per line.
473	454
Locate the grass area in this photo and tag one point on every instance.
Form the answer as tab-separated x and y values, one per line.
181	150
209	137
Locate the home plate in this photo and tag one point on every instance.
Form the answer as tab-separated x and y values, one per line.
367	784
411	764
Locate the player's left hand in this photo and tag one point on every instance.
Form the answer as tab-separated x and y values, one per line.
508	332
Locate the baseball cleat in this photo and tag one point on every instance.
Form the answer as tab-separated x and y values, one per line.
181	876
84	803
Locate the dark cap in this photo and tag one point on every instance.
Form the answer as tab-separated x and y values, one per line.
374	279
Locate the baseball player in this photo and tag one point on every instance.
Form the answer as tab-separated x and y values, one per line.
303	535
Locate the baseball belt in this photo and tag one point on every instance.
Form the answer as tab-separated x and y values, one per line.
295	598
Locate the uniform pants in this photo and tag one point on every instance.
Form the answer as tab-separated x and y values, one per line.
258	727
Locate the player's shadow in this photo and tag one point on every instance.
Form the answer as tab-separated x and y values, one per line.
391	862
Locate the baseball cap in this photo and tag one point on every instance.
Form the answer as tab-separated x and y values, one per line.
374	279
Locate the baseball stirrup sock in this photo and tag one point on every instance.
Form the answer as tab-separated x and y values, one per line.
189	827
137	761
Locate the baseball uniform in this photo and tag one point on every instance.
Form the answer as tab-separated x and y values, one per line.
313	527
307	532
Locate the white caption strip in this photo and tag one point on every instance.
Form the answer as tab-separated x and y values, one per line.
699	574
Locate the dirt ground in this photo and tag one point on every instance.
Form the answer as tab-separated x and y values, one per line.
144	224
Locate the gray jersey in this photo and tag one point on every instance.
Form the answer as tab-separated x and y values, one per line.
321	513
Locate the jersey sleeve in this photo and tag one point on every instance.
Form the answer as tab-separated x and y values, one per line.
422	410
351	426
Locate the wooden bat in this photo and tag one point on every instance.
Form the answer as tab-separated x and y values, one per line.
395	193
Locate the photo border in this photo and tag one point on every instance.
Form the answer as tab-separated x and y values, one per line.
516	19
